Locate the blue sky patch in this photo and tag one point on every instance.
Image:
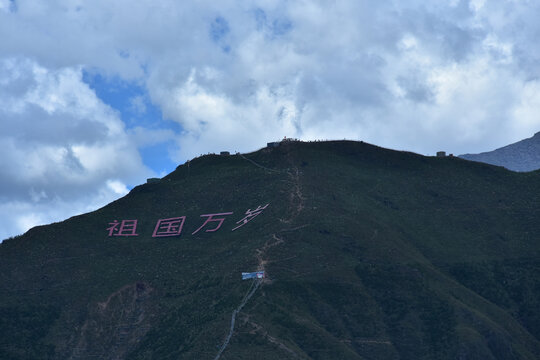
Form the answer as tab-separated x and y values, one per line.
218	33
281	27
219	28
13	6
274	28
260	19
131	100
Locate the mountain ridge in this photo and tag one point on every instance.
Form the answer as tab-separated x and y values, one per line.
369	254
523	155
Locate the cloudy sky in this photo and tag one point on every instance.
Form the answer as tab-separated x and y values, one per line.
96	96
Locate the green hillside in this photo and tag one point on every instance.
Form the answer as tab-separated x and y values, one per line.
369	254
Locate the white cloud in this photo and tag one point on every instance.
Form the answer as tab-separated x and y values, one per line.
19	216
214	122
118	187
27	221
64	151
6	5
423	76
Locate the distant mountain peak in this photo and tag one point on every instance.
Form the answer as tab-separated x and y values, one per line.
523	155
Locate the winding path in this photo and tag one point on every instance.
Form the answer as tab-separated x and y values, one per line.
254	286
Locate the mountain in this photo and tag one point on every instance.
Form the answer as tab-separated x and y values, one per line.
368	253
521	156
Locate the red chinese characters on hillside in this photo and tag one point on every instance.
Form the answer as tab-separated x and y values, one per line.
169	227
210	218
173	226
123	228
250	215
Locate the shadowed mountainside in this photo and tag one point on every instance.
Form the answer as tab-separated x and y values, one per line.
369	254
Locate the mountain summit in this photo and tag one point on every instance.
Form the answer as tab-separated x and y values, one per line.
523	155
357	252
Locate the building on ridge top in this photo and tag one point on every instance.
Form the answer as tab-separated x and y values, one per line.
277	143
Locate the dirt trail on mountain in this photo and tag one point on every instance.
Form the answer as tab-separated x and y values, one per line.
296	199
259	330
254	286
296	204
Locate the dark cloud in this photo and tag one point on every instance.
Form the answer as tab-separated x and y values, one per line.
62	129
416	88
